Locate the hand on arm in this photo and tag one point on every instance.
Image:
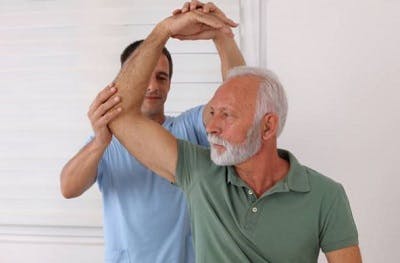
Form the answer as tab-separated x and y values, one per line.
80	172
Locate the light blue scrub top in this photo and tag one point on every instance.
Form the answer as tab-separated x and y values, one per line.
145	217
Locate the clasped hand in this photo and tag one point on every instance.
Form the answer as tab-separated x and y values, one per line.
198	21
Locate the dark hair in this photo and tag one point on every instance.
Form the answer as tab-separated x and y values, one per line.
132	47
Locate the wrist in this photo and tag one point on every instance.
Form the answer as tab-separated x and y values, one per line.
163	28
222	41
221	37
99	144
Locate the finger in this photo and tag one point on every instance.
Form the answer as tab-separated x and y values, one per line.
109	116
208	19
205	34
102	96
185	7
176	11
213	20
106	106
227	20
223	17
212	8
209	7
194	4
208	34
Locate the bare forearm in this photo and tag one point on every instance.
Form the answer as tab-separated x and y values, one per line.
80	172
229	53
230	56
132	128
135	74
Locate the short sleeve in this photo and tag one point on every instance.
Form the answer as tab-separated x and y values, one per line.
339	229
190	159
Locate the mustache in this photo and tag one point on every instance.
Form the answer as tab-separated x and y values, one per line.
217	140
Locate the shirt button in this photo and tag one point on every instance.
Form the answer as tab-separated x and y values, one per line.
250	192
254	209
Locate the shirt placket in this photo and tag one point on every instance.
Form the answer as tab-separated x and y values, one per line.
252	212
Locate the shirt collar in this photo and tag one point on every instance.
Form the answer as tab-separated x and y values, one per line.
296	179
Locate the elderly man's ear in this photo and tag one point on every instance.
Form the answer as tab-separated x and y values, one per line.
269	126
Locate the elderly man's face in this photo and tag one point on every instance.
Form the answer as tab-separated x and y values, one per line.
233	135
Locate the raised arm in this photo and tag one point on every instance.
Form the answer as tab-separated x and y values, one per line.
145	139
228	51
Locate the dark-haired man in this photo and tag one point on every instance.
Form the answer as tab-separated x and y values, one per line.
145	217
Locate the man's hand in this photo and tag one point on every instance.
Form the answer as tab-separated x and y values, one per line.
102	110
198	24
208	8
205	8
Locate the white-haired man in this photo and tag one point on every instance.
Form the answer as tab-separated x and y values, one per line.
249	201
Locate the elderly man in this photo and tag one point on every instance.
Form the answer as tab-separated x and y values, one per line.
249	201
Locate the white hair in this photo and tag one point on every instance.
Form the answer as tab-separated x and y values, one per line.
271	95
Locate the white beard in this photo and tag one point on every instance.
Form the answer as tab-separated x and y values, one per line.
236	153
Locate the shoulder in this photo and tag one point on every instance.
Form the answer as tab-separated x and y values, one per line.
320	181
305	179
323	186
325	189
336	223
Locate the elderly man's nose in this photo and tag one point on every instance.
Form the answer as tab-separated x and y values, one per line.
212	125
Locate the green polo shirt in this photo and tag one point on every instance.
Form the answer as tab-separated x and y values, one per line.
291	222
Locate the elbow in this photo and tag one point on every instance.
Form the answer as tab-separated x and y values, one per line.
67	194
66	188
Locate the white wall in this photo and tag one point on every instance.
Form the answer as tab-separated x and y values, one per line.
340	64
